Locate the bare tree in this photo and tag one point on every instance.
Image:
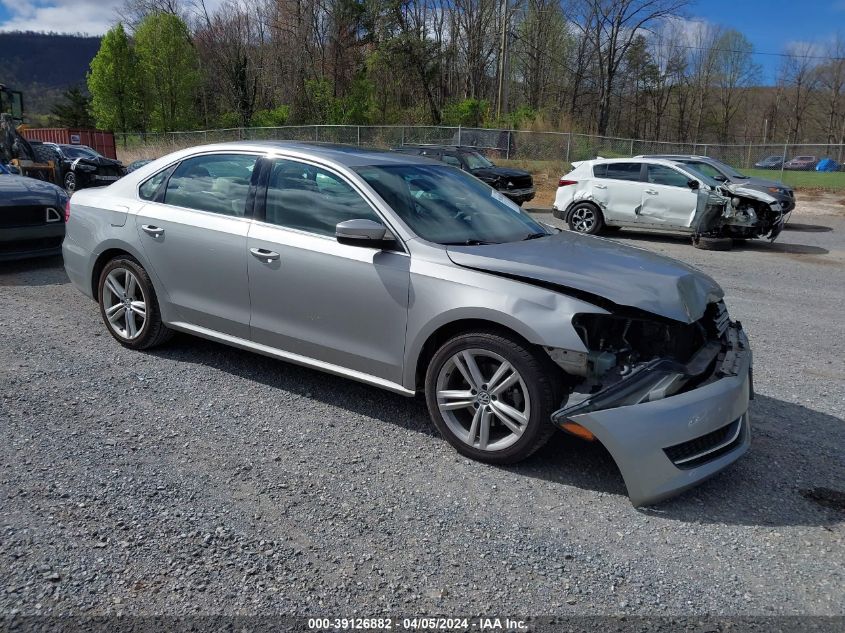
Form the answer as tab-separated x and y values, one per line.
799	79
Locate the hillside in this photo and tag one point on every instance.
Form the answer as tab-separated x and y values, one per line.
42	65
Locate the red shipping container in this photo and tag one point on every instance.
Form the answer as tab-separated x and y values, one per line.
100	140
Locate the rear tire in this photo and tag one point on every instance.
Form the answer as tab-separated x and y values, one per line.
491	397
129	306
713	243
585	217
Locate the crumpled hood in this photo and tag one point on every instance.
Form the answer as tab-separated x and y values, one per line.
499	172
22	190
748	192
624	275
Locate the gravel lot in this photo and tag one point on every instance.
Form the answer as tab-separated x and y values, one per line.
201	479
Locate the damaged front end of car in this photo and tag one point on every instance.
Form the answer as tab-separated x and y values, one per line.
667	399
738	212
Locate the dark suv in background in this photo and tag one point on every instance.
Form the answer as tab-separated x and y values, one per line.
516	184
718	170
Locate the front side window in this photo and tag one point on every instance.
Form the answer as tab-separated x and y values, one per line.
454	161
474	160
312	199
662	175
218	183
708	170
444	205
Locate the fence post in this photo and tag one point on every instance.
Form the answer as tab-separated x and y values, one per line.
568	145
359	136
316	133
632	148
403	136
705	150
785	146
459	134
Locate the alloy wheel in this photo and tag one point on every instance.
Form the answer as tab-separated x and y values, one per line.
583	219
124	303
483	399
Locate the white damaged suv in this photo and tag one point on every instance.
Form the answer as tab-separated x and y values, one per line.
654	193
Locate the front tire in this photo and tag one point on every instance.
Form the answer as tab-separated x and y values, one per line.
585	217
491	397
128	305
713	243
70	182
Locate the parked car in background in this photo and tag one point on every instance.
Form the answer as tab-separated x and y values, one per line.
79	166
32	217
828	164
769	162
516	184
723	172
655	193
137	164
414	276
801	163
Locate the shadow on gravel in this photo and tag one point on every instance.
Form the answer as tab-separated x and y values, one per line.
763	246
794	449
794	474
42	271
807	228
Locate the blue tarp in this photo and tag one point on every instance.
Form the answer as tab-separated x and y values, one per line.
827	164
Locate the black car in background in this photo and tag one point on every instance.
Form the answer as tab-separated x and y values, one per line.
515	184
79	166
32	217
769	162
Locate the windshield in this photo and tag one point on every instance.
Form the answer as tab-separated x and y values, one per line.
444	205
706	179
474	160
730	171
78	152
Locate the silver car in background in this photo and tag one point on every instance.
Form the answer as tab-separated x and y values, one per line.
414	276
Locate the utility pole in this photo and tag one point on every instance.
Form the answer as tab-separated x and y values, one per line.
503	49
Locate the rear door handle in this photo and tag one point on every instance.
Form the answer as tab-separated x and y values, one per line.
600	186
152	230
651	191
264	255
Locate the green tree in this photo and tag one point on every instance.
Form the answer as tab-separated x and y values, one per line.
113	84
74	110
169	70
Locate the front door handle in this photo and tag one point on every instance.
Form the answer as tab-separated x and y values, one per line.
264	255
152	230
597	186
651	191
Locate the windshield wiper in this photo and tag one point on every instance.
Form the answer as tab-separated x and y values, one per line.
468	243
534	236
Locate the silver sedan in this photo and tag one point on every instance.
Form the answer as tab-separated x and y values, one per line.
414	276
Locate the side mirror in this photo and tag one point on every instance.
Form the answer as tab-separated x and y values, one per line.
367	233
693	184
720	178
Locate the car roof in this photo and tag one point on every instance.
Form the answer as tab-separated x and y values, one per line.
462	148
676	156
347	155
635	159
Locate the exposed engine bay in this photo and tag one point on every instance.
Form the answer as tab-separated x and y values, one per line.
641	358
738	212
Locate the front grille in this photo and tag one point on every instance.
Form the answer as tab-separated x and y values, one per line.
31	215
24	246
707	447
520	182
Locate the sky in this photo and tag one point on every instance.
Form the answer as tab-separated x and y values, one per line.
770	25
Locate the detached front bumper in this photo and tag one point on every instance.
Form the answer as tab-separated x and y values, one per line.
665	445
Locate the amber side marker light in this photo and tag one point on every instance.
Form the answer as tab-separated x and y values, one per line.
578	431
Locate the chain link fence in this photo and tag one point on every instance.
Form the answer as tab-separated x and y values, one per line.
813	166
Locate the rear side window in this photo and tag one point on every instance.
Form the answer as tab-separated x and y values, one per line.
662	175
312	199
218	183
617	171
